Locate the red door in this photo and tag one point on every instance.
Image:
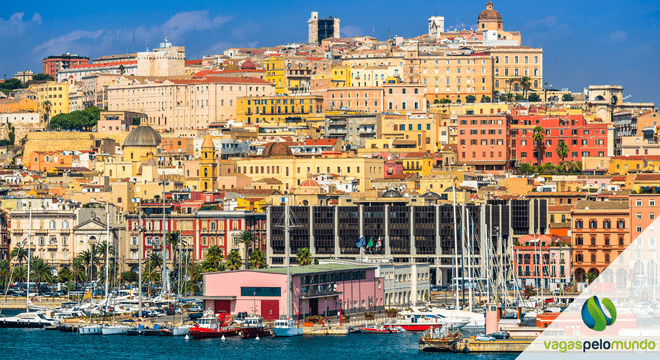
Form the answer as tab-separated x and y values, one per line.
270	309
222	305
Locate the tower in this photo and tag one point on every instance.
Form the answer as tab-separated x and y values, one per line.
489	19
207	167
436	26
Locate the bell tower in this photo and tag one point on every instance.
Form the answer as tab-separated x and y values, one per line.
207	167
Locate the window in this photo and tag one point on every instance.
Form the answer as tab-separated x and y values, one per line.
578	241
620	241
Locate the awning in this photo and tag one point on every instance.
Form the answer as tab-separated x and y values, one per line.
650	129
319	296
203	297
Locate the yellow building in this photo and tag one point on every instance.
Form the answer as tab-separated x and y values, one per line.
341	76
278	162
622	165
140	144
371	76
17	105
439	181
207	167
276	109
512	63
422	131
276	74
417	163
56	93
257	205
291	73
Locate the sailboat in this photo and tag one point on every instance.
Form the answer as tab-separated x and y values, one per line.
97	329
287	327
27	319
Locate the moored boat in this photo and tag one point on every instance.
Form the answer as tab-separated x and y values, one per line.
377	330
253	327
90	330
210	326
115	329
285	328
436	339
27	320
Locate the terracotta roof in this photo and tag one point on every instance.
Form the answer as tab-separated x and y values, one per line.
193	62
601	205
647	177
560	208
255	191
638	157
104	65
221	80
618	178
269	181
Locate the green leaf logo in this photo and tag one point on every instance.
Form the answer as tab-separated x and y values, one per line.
593	315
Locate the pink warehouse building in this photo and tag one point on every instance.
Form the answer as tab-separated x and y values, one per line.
316	290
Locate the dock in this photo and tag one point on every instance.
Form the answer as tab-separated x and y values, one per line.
513	345
325	330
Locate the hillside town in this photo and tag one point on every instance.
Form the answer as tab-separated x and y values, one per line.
423	160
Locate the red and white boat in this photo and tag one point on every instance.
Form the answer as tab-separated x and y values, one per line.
214	326
380	330
253	327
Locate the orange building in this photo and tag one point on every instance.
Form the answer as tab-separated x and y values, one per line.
46	160
177	145
600	232
643	208
482	141
16	105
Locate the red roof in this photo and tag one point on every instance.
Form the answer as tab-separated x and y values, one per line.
647	177
618	178
222	80
193	62
322	142
104	65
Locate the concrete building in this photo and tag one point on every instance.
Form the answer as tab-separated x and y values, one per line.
483	141
116	121
278	109
353	129
54	63
320	29
79	72
166	60
20	118
55	93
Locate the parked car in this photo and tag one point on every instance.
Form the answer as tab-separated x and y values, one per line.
178	311
500	335
484	337
144	314
195	309
168	311
159	312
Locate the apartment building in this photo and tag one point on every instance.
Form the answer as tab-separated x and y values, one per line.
482	141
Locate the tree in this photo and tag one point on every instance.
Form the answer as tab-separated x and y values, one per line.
539	143
246	238
5	272
567	97
510	82
173	238
213	260
100	250
234	260
41	271
19	253
534	97
470	99
78	272
47	106
485	99
64	275
258	259
445	101
43	77
304	257
129	276
436	101
20	273
77	120
496	96
526	168
526	83
122	70
562	150
519	97
509	97
591	276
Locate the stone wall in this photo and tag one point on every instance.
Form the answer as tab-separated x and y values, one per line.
64	140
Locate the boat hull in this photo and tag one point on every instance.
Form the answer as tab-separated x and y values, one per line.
253	332
412	327
90	330
115	330
22	325
181	330
204	333
376	331
286	331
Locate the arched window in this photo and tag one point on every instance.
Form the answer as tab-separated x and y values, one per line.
578	258
593	258
620	241
206	172
607	258
212	226
593	241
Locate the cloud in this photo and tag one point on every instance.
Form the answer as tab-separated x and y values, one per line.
618	36
218	48
63	43
191	21
351	31
540	31
15	24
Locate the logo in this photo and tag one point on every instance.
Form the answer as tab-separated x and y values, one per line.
593	315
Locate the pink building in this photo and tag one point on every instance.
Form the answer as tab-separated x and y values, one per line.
556	255
317	290
482	141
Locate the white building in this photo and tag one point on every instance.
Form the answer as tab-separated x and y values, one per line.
20	118
436	27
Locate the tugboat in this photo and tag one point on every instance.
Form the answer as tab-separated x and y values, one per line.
437	339
253	327
210	326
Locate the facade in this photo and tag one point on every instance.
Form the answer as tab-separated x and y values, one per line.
401	98
436	27
24	76
408	234
320	29
482	141
278	109
355	129
316	290
166	60
94	88
583	138
642	212
514	62
600	232
555	254
56	93
79	72
20	118
207	167
116	121
17	105
293	74
54	63
456	76
174	104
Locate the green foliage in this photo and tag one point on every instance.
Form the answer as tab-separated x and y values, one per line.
136	121
529	291
77	120
436	101
42	77
519	97
526	168
485	99
534	97
5	272
213	260
234	260
11	85
445	101
539	143
562	150
258	259
591	276
304	257
41	271
64	275
567	97
470	99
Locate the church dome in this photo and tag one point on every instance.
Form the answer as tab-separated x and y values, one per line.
248	65
489	14
391	194
431	195
309	183
143	136
276	149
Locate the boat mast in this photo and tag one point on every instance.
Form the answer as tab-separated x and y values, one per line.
164	275
469	259
287	229
472	270
453	189
107	250
141	230
27	308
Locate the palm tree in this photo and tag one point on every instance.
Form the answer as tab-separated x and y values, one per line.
151	276
258	259
526	83
100	250
562	150
19	253
509	97
5	272
78	272
304	257
47	107
511	81
87	257
234	261
591	276
539	144
41	271
122	70
64	275
172	239
213	261
496	96
246	238
20	273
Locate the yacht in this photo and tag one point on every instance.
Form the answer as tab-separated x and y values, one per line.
115	329
27	320
181	330
287	327
90	330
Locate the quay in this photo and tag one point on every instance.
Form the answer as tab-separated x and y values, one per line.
516	345
326	330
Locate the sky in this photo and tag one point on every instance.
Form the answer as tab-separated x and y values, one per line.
584	42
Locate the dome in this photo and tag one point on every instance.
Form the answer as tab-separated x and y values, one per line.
489	14
391	194
143	136
450	189
248	65
309	183
276	149
431	195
